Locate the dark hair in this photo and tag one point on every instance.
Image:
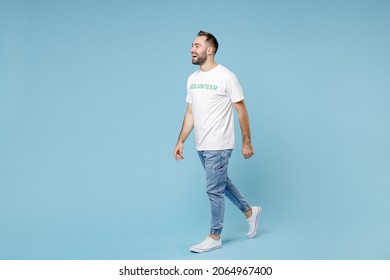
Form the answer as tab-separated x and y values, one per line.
210	38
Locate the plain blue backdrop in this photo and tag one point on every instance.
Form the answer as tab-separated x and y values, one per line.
92	97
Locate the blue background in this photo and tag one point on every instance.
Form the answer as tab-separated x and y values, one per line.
92	97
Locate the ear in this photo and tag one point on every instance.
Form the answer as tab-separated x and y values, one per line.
210	51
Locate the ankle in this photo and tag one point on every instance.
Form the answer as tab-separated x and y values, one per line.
214	236
248	213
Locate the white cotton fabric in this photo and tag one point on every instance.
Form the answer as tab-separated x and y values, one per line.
212	95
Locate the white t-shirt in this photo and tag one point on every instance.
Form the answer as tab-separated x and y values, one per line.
212	95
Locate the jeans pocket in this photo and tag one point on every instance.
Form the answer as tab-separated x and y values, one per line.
223	162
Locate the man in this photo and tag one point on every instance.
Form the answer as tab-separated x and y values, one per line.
212	92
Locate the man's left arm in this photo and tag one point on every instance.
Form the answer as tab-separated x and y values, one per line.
247	149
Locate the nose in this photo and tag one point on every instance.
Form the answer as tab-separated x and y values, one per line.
192	49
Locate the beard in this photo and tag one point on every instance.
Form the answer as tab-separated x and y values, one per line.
200	59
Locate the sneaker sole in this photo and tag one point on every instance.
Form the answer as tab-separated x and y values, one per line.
205	250
253	234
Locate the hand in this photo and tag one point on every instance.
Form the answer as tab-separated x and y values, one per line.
178	152
247	150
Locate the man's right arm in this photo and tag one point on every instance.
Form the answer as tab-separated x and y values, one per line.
188	125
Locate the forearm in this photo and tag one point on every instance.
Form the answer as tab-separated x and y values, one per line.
188	125
245	129
247	149
243	118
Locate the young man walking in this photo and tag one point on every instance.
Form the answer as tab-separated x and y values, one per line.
212	92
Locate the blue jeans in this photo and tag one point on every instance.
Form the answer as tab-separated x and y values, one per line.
218	185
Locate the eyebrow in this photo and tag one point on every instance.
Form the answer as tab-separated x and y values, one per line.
196	44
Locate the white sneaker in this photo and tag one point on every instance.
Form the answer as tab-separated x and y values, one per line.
207	245
253	221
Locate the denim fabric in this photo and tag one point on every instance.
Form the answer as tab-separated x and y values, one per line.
218	185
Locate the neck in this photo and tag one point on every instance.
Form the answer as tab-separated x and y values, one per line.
208	65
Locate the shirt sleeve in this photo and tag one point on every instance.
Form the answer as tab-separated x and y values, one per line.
234	89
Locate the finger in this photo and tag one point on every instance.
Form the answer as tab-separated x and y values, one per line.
246	156
179	155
